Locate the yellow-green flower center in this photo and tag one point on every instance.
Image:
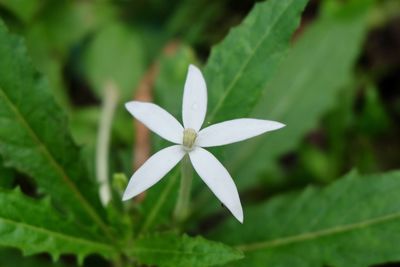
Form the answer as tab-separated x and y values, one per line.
189	137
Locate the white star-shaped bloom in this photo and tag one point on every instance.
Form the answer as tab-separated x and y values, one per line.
189	139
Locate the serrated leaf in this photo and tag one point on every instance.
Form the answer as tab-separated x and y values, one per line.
35	226
34	137
11	257
172	250
337	226
301	100
303	90
233	71
242	64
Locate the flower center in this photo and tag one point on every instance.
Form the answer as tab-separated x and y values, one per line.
189	137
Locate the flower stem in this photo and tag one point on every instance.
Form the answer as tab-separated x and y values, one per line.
109	104
182	205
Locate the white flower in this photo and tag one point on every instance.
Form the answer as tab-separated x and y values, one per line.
190	139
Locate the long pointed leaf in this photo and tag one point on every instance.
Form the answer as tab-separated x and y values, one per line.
337	226
306	87
238	70
35	226
172	250
243	63
34	137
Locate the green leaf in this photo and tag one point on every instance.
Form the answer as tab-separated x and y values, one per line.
243	63
6	176
336	226
304	89
115	55
181	24
173	250
62	24
35	226
54	36
374	120
233	71
11	257
84	125
23	9
34	136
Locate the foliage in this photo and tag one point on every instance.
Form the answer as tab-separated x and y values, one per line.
334	226
224	94
35	226
328	69
34	136
115	42
303	94
258	44
169	249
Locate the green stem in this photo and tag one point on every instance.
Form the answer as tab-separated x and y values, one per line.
182	205
110	101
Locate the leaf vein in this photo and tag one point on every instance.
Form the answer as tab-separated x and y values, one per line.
244	65
317	234
55	164
58	234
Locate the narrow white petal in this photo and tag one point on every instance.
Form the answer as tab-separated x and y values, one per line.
232	131
155	168
157	120
217	179
194	105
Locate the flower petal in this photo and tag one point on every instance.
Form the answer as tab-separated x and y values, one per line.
232	131
157	119
194	105
217	179
155	168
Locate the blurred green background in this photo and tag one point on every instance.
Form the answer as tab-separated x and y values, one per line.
82	45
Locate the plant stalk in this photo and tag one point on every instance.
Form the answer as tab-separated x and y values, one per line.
182	205
110	101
